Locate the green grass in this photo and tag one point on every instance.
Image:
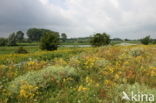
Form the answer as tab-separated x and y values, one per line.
8	50
34	46
133	42
28	44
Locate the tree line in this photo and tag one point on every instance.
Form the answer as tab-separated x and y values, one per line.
33	34
49	40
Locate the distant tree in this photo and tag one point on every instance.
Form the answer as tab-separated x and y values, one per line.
19	36
127	40
117	39
3	42
145	40
49	41
63	37
100	39
12	40
35	34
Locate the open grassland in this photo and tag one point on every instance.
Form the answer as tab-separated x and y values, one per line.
78	75
11	50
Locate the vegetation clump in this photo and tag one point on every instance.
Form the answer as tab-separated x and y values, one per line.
146	40
100	39
21	50
49	41
3	42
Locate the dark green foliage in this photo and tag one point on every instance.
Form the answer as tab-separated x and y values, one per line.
127	40
63	37
100	39
3	42
12	40
145	40
35	34
21	50
19	36
153	41
50	41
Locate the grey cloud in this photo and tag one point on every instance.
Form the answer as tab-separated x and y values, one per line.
120	18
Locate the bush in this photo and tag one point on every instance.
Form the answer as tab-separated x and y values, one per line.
100	39
43	78
3	42
49	41
145	40
21	50
136	52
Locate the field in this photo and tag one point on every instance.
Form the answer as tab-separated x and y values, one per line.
78	75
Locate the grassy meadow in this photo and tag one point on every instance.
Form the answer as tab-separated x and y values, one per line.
77	75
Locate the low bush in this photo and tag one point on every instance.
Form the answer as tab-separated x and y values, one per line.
43	78
136	52
21	50
146	40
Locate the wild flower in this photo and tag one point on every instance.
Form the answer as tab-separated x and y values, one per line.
89	62
82	89
28	91
109	83
88	80
152	71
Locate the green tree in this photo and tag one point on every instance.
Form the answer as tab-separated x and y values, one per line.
100	39
12	40
63	37
19	36
49	41
3	42
145	40
35	34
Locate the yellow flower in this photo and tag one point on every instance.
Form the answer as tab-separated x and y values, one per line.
97	85
2	66
90	62
117	76
82	88
27	90
109	83
153	71
31	63
89	80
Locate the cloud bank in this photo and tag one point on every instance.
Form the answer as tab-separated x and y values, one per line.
80	18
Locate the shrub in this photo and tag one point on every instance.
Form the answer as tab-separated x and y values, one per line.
42	78
3	42
21	50
136	52
50	41
100	39
145	40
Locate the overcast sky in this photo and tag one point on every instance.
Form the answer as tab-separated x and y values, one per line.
80	18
